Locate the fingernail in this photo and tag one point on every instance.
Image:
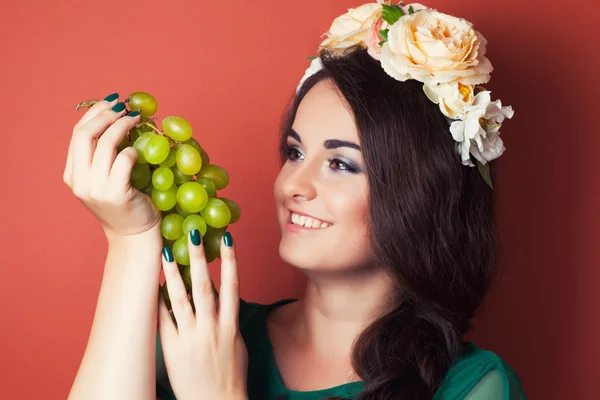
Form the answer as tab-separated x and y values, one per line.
133	114
228	239
168	254
195	236
118	107
111	97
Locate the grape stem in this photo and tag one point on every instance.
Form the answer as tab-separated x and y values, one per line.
86	104
172	143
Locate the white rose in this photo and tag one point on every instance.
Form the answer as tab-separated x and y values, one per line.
451	97
478	133
433	48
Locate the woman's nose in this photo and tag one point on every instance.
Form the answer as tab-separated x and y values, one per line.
300	182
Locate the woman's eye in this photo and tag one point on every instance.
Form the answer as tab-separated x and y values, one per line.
293	153
340	165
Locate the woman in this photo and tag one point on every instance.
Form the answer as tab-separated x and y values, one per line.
393	227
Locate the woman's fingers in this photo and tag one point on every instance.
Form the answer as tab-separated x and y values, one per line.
106	149
84	145
182	308
229	295
166	328
202	289
94	111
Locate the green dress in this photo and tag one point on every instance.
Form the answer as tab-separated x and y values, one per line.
476	375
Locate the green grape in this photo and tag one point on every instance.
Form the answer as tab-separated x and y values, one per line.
205	157
217	174
209	257
192	197
216	213
188	159
148	189
140	145
181	251
123	144
171	226
140	176
208	185
134	134
177	128
234	208
181	211
169	243
162	178
180	177
210	231
164	200
157	149
170	160
144	102
194	143
194	221
212	244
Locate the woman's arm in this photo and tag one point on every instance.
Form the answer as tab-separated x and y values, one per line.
119	360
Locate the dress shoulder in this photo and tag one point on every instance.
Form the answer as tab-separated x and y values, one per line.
480	374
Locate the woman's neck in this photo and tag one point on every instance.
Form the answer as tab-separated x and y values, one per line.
336	309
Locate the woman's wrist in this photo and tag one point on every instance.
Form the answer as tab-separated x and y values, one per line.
147	239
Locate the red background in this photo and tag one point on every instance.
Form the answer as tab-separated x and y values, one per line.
229	67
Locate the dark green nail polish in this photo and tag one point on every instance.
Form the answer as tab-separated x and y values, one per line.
111	97
168	254
195	236
118	107
133	114
228	239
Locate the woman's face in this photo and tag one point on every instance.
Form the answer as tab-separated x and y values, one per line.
323	183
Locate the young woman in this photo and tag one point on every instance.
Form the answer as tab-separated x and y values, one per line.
379	204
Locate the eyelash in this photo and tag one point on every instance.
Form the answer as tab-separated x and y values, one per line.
288	150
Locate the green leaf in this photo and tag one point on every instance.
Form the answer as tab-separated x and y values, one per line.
485	173
381	43
391	14
312	58
410	10
384	34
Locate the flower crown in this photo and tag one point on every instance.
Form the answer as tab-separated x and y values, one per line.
443	52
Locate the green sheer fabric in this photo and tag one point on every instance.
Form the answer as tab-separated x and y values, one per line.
476	375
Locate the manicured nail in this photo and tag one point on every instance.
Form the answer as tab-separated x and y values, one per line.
228	239
111	97
195	236
118	107
168	254
133	114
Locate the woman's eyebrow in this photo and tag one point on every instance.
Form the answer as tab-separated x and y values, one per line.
328	144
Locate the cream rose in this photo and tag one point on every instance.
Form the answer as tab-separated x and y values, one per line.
433	48
374	38
451	97
351	29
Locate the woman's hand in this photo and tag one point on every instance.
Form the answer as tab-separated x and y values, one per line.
204	355
100	178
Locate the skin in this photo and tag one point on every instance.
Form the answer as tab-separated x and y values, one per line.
312	338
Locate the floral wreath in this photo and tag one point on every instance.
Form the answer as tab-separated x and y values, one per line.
443	52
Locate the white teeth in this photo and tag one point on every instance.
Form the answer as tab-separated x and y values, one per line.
308	222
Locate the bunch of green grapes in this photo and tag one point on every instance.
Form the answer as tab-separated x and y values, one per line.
175	171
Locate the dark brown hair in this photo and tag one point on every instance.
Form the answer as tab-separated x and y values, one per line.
431	223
